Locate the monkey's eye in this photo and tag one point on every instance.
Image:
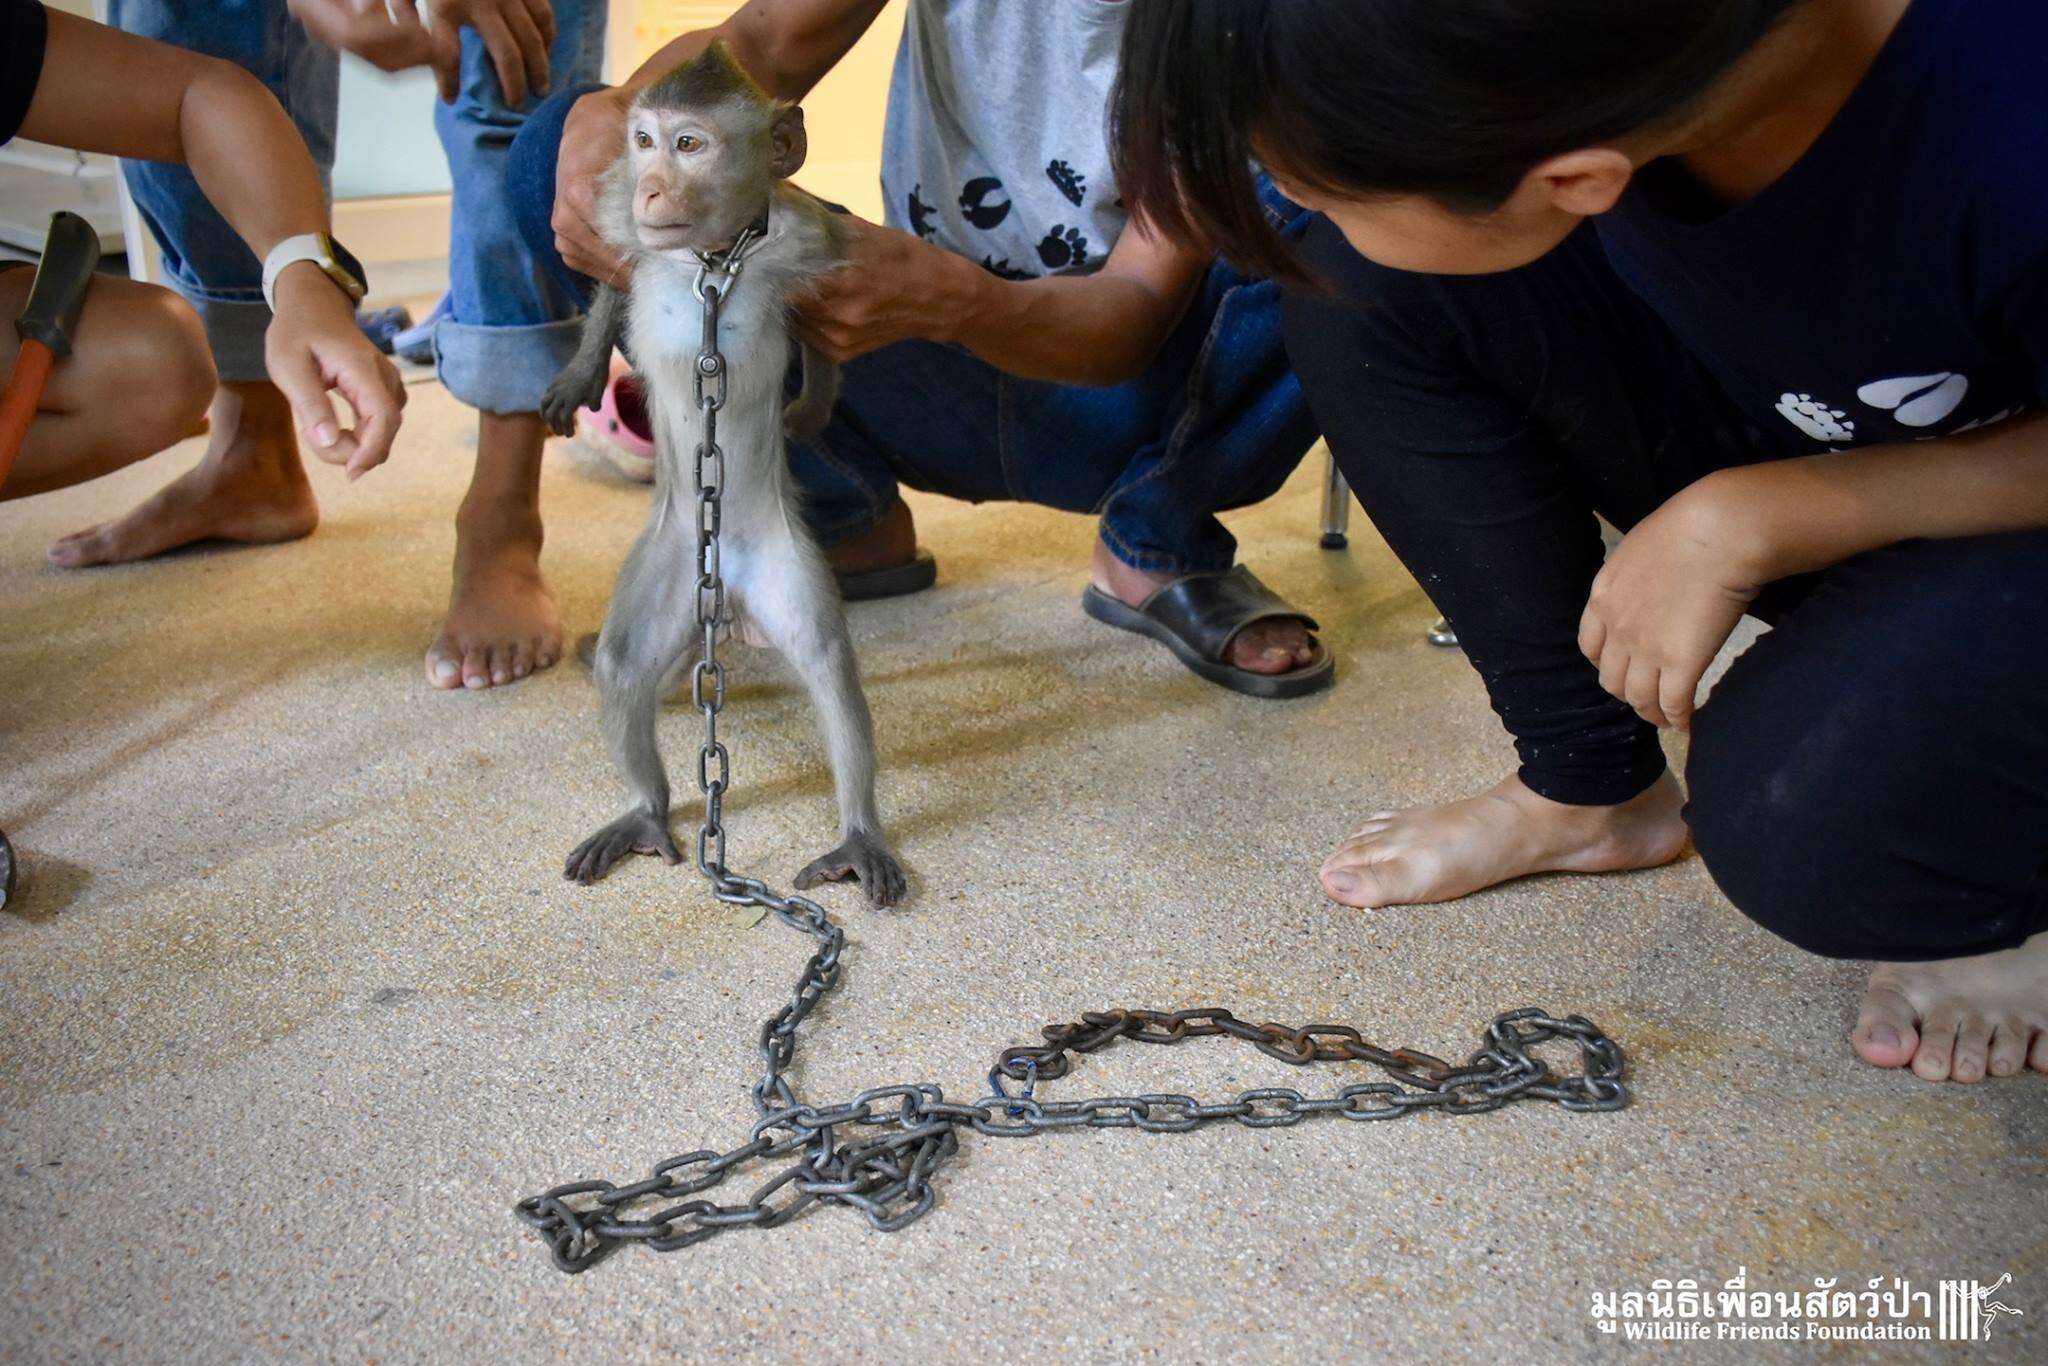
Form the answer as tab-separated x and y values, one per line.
641	139
688	142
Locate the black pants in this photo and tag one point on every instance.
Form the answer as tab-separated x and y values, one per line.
1870	780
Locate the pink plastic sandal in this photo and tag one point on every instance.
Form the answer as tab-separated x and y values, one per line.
625	436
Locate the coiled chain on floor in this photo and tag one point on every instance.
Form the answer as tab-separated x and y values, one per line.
879	1152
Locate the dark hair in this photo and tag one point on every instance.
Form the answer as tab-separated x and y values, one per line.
1453	99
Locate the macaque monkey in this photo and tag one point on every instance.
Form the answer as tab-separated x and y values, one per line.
707	157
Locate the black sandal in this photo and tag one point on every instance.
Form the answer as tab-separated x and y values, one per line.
1198	616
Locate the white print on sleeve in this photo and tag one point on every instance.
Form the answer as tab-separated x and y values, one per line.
1816	418
1918	400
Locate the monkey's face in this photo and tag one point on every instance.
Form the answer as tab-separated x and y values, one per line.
701	175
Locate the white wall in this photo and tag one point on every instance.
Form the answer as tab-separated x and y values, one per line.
386	144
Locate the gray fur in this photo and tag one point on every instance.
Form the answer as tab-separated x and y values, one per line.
810	412
776	576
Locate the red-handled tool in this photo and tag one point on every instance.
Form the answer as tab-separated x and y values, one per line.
70	256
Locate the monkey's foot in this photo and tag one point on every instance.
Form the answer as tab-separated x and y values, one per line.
636	832
502	621
865	859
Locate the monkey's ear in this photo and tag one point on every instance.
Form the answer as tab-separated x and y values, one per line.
788	144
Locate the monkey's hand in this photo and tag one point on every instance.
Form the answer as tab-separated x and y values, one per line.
636	832
580	385
810	412
865	858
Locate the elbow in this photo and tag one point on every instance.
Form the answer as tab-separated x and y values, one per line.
230	96
222	79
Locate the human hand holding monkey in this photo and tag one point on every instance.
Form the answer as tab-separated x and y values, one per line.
894	286
591	138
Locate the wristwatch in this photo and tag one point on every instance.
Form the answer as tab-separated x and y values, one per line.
337	262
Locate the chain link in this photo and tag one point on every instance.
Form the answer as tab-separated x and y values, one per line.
879	1152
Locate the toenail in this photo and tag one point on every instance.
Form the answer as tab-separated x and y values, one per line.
445	669
1343	884
1884	1036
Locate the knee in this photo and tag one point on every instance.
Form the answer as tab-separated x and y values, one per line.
1768	856
152	358
610	659
625	666
180	364
530	166
1815	842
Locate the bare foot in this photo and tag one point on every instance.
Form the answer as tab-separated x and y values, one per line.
1264	647
1440	853
1959	1019
502	621
885	545
249	488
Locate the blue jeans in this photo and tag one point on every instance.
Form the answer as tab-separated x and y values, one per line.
509	326
203	259
1218	420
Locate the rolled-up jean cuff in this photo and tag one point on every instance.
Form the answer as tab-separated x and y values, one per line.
503	369
235	329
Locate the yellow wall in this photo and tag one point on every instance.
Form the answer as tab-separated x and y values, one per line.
844	114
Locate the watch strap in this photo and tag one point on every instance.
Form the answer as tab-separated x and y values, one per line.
324	252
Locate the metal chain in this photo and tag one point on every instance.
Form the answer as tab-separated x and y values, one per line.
879	1152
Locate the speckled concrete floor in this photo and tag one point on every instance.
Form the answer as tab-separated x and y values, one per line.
296	1004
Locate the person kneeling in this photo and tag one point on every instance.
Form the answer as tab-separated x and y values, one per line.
1763	282
140	376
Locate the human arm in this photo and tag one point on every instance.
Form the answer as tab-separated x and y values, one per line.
1095	329
178	106
1673	590
786	45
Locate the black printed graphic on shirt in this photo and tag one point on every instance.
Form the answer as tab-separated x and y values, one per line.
1063	247
1068	182
1003	270
920	213
978	208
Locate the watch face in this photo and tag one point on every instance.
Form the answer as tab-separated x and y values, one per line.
350	276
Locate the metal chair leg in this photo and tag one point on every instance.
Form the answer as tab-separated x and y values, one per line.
1336	507
1337	525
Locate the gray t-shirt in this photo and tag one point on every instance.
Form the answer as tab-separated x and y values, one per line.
997	143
